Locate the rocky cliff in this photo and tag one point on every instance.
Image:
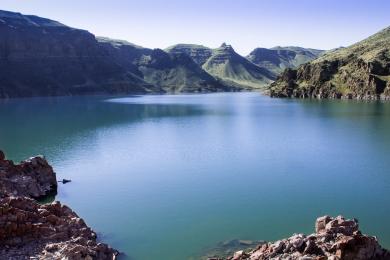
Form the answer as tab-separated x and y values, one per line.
335	238
40	57
29	230
360	71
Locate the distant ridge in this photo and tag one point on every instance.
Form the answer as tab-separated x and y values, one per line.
225	64
277	59
42	57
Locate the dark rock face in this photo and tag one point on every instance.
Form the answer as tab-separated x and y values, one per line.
335	238
51	231
41	57
31	178
361	71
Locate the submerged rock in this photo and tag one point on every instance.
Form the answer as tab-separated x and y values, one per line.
335	238
226	248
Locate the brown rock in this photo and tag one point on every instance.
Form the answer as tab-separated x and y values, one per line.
335	238
25	221
32	178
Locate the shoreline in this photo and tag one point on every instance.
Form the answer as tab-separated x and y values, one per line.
29	228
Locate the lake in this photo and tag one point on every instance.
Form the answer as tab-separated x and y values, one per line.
166	177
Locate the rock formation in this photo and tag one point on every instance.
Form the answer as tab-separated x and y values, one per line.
32	230
361	71
51	231
31	178
335	238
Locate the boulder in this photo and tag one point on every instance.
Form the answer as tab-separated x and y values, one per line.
33	177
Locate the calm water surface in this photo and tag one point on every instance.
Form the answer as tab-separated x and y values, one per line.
165	177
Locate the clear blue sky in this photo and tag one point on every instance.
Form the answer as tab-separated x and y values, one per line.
245	24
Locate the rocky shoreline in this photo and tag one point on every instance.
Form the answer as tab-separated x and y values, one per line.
29	230
335	238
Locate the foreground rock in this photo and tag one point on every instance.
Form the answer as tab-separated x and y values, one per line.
51	231
335	238
361	71
29	230
31	178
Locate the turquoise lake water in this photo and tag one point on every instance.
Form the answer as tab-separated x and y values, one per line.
166	177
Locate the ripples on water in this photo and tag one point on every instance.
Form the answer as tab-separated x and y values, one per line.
166	177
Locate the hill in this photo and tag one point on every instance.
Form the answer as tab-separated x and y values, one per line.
41	57
229	66
360	71
277	59
173	72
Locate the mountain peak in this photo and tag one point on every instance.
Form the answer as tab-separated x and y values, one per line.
226	46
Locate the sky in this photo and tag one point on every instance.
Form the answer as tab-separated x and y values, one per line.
245	24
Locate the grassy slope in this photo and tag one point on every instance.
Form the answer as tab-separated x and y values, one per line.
227	65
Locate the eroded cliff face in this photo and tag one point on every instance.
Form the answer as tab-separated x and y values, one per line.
361	71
